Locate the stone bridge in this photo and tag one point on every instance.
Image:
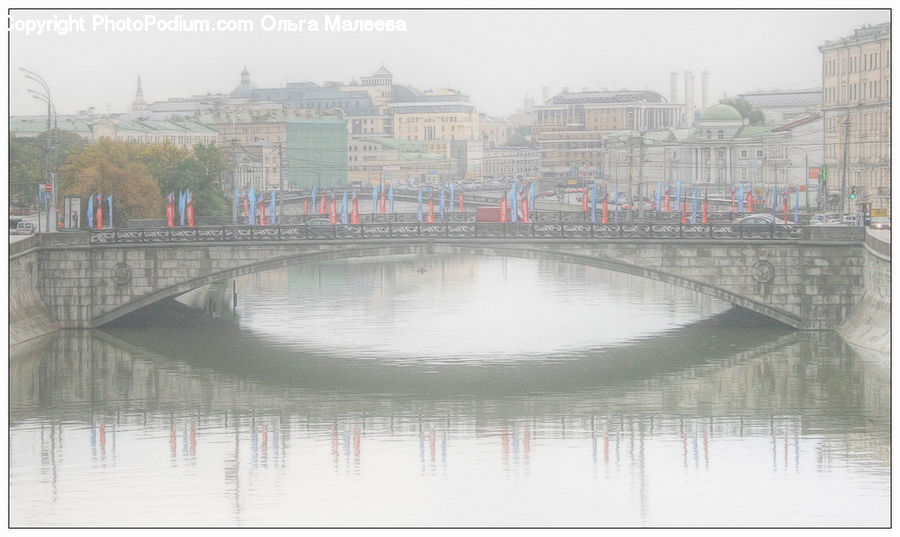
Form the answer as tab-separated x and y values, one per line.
808	278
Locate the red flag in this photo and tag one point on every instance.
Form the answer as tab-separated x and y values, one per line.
667	199
322	209
99	214
605	214
525	210
503	209
383	205
750	199
261	210
683	203
462	206
732	199
306	206
246	210
430	219
704	208
190	214
584	200
354	213
786	206
332	212
170	212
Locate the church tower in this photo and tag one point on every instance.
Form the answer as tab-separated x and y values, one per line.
138	104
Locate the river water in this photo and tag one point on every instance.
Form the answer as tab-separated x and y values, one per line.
442	391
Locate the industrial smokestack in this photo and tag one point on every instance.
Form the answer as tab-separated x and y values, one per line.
704	89
674	94
688	99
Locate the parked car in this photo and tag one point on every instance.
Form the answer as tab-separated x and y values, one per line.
24	228
880	222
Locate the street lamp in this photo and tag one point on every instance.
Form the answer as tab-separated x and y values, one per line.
51	177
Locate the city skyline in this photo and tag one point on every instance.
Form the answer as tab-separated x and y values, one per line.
479	53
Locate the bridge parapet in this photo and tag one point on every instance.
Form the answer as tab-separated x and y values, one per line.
808	280
474	230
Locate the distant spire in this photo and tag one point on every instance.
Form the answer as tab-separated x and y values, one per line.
139	103
245	76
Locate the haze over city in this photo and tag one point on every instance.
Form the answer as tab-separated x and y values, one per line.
497	57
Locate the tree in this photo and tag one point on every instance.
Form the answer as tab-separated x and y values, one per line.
113	168
27	162
747	110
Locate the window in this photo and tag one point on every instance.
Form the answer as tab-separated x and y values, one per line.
759	153
743	153
721	135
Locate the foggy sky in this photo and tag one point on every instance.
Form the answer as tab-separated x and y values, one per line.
497	57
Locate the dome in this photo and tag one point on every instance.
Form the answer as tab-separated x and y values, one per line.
245	88
721	112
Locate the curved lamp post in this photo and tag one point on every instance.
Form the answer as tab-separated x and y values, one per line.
45	97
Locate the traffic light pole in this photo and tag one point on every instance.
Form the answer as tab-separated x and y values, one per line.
844	173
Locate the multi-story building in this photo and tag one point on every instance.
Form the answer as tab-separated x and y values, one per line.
571	127
442	114
377	160
32	126
856	81
511	162
316	152
494	131
379	87
784	106
184	134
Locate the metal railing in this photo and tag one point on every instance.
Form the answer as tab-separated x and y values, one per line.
450	230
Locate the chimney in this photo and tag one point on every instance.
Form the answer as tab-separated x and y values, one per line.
674	95
546	92
688	99
704	89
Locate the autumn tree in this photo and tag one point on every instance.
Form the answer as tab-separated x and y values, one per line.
113	168
177	170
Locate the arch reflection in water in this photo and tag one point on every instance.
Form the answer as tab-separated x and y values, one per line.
661	432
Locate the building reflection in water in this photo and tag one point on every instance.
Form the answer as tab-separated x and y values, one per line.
772	399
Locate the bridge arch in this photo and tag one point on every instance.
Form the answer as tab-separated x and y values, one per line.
524	249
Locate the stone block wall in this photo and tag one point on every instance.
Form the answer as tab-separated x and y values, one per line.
868	323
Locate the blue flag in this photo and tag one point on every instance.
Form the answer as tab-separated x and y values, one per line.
741	198
181	207
109	202
442	203
273	218
513	210
658	196
344	218
531	197
694	208
375	199
313	200
616	198
90	212
391	197
251	201
451	197
419	215
774	200
678	196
